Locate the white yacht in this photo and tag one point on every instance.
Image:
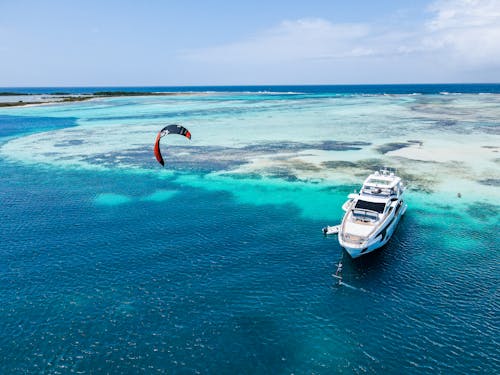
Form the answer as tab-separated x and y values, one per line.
372	214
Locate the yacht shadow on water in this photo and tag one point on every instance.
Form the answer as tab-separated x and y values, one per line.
376	265
359	268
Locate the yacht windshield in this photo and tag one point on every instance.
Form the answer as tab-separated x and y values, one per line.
372	206
378	181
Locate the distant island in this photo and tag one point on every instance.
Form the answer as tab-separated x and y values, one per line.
64	97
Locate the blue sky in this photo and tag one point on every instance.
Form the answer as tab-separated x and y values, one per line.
123	43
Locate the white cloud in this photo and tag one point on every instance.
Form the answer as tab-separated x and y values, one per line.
466	30
291	40
459	37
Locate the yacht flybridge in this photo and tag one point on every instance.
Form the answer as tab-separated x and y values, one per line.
372	214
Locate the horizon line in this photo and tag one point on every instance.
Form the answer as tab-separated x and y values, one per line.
265	84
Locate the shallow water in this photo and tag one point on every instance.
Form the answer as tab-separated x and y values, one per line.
217	264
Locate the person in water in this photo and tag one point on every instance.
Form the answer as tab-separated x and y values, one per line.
339	270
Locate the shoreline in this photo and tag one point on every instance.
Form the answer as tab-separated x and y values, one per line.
20	96
71	98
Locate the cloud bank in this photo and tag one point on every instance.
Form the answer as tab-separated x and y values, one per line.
459	41
466	30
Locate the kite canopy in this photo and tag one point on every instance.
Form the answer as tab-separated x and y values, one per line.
169	129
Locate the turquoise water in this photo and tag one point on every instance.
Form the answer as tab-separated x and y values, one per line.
217	264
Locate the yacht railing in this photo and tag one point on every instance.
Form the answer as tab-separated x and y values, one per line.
361	240
351	238
377	192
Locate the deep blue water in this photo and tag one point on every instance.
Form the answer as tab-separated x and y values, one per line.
17	125
471	88
204	283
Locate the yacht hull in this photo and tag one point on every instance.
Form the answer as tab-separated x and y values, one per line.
378	240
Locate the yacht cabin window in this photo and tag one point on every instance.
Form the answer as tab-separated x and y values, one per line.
371	206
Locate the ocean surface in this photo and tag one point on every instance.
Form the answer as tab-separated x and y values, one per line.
216	264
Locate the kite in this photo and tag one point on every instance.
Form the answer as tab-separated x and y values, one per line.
169	129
